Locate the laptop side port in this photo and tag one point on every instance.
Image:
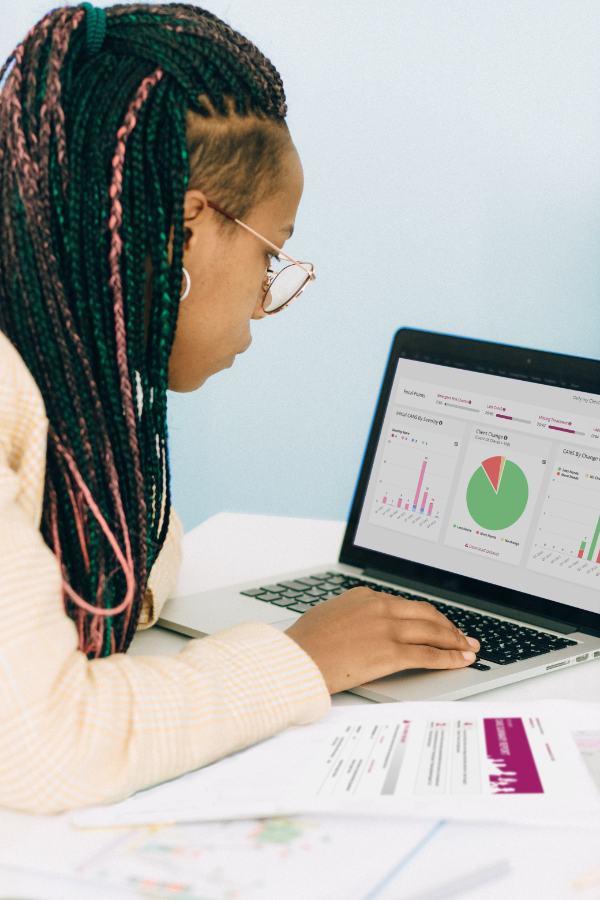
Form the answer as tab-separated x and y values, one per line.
565	662
582	657
596	653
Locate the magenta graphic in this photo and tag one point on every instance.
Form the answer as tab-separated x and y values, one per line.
511	766
419	485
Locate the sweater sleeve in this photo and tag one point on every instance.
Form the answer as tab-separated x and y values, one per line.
77	732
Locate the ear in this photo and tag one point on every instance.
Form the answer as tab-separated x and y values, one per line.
195	209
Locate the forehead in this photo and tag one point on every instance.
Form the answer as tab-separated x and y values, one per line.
277	212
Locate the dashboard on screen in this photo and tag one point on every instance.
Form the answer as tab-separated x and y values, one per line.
491	478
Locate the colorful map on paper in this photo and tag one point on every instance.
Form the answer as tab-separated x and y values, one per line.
273	859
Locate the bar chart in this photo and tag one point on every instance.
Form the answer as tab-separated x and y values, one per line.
414	481
422	502
567	539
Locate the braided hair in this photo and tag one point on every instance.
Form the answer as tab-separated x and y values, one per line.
97	151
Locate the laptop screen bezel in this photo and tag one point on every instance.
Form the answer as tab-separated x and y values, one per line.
478	356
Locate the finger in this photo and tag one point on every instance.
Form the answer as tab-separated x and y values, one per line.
426	657
418	609
413	631
422	610
473	642
398	608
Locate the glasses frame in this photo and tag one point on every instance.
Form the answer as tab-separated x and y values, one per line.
272	276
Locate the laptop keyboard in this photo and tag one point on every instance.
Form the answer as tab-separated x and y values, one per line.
501	642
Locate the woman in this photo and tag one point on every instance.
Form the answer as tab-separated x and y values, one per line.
148	180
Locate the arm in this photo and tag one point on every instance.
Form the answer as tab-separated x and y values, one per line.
76	732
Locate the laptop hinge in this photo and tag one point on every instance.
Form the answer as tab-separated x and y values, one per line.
510	611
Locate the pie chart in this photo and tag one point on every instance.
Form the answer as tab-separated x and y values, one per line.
497	493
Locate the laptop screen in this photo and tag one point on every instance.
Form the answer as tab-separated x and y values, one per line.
489	477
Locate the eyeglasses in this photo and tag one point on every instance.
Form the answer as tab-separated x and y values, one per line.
283	286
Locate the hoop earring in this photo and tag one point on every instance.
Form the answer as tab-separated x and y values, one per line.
188	285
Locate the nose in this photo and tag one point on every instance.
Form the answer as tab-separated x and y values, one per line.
262	298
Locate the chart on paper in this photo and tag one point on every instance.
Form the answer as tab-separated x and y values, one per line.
567	539
473	757
414	480
285	858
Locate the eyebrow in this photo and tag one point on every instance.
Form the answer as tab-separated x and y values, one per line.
289	230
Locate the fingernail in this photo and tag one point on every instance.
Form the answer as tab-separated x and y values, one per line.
472	642
470	657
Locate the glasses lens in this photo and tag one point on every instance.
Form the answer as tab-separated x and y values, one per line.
288	282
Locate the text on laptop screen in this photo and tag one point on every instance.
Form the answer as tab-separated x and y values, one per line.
491	478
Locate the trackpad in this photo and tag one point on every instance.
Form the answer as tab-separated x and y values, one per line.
213	611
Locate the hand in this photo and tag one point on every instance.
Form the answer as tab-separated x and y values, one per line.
363	634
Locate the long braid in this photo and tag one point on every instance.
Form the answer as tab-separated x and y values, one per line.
94	165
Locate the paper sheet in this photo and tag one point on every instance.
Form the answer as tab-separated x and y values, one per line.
433	757
588	743
309	858
496	862
295	859
500	762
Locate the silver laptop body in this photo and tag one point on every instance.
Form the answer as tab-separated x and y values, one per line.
480	492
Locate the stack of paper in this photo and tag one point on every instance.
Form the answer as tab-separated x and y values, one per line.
430	760
393	771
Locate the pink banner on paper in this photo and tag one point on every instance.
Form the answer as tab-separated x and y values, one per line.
511	766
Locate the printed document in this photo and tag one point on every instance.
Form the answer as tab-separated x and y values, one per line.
494	762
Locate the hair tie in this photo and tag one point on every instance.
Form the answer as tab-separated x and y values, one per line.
95	23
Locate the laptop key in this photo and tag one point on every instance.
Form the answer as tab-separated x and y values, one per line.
300	607
284	601
479	666
272	588
293	585
312	580
292	594
252	592
268	597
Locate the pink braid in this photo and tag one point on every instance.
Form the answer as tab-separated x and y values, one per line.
126	563
79	524
116	247
60	43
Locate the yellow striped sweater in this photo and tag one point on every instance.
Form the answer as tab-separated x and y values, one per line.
76	732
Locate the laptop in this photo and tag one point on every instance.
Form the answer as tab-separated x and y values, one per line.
479	491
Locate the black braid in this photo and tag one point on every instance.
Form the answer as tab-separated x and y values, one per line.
73	262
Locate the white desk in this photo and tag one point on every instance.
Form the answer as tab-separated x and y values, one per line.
232	548
235	547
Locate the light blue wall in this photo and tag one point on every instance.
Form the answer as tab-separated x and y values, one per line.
452	160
